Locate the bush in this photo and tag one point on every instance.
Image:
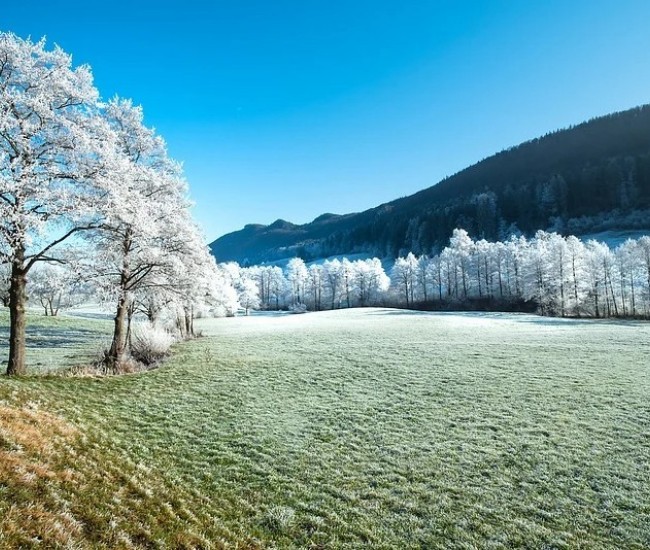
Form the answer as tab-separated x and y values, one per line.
150	344
298	308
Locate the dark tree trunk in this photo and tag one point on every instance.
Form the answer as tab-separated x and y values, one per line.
117	350
575	286
118	345
189	329
17	321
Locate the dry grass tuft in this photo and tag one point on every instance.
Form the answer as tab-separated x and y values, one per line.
33	430
30	440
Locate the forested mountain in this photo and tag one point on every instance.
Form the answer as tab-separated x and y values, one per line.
590	177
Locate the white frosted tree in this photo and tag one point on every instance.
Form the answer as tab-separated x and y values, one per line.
371	280
348	281
424	277
297	276
333	280
56	287
147	226
53	149
538	280
577	286
560	265
643	252
594	275
404	276
278	285
248	294
482	257
630	272
315	284
461	246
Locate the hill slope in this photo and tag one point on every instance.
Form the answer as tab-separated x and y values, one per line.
590	177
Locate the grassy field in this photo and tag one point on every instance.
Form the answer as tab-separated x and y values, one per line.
57	342
379	427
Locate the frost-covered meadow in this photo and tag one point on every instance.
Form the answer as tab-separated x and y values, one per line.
370	426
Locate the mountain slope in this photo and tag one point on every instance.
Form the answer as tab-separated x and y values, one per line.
586	178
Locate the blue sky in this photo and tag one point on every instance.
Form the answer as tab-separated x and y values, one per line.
291	109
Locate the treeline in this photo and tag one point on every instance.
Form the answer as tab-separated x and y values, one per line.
550	274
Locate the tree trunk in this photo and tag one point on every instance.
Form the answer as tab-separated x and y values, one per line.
130	311
188	323
17	321
118	345
562	301
575	286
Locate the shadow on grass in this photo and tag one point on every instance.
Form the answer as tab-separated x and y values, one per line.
38	337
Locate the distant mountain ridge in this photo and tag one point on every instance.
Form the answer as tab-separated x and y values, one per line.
591	177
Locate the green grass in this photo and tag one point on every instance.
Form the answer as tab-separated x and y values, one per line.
391	429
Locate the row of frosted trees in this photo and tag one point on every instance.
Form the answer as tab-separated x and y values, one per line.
561	276
551	274
86	185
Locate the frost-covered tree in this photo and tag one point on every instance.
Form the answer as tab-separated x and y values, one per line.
461	247
576	263
53	152
371	280
56	287
147	226
297	276
278	285
538	280
424	276
348	281
629	268
315	284
404	276
594	275
224	301
333	280
248	293
481	252
643	252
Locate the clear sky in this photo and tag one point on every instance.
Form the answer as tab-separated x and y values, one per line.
289	109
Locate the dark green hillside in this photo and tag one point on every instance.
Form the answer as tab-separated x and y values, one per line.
586	178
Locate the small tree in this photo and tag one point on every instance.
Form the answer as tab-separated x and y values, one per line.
56	287
248	293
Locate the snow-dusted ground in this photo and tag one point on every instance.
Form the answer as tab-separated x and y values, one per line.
363	328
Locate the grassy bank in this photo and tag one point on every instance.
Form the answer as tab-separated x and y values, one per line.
394	429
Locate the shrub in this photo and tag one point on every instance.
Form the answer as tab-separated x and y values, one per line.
149	344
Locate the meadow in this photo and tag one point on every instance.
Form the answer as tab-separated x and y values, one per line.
376	427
